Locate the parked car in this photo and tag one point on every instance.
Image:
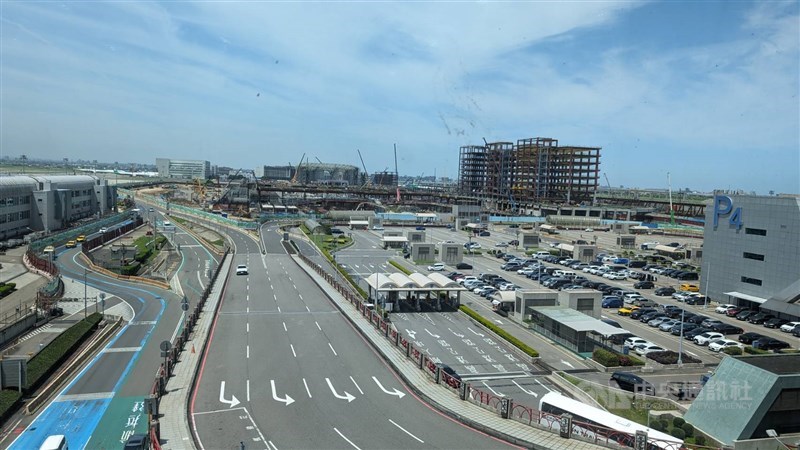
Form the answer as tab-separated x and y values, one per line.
775	322
722	344
633	383
710	322
707	337
722	309
760	318
789	326
689	287
768	343
644	349
744	315
658	321
437	267
463	266
619	339
664	291
726	328
690	335
611	302
734	311
638	313
643	285
687	327
420	228
697	319
646	318
668	324
484	234
634	341
627	310
749	337
695	299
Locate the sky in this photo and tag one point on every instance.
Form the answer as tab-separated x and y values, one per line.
703	93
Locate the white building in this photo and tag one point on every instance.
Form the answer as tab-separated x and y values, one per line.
183	168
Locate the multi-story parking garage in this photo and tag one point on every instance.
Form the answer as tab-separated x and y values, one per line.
751	252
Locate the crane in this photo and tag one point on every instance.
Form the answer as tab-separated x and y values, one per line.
297	171
607	183
366	174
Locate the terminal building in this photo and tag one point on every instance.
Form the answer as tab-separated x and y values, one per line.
751	251
183	168
50	203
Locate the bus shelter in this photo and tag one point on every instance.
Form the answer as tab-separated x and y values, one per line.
414	292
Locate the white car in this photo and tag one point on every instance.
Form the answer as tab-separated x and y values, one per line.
706	338
437	267
501	244
469	278
643	349
634	341
788	327
241	269
614	276
722	309
377	227
722	344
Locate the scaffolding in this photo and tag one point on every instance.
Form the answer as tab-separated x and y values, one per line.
472	170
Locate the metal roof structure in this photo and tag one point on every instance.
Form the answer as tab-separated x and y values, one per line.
578	321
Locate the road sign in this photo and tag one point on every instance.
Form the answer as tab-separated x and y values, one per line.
185	306
165	346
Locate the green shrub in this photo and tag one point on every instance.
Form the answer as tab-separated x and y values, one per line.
130	269
658	425
755	351
6	289
733	351
606	358
678	422
400	267
688	429
9	401
500	332
700	440
664	424
678	433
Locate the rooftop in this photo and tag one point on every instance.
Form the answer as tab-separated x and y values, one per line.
777	364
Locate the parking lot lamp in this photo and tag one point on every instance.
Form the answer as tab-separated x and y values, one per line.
680	339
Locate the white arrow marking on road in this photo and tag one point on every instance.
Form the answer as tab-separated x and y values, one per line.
498	322
459	335
411	334
525	390
540	384
288	400
567	364
433	335
493	391
232	402
396	392
475	332
347	396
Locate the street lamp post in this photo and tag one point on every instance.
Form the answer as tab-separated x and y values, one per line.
84	292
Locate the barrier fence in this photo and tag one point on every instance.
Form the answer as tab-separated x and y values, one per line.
505	407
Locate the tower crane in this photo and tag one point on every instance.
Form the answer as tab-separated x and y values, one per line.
297	170
366	174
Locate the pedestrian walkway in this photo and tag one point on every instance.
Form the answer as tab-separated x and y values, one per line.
442	398
174	423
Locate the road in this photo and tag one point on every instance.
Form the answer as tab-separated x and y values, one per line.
103	404
284	369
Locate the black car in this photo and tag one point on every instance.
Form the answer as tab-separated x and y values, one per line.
643	285
744	315
589	284
697	319
633	383
650	316
760	318
695	332
463	266
796	331
726	328
138	441
674	313
637	314
484	234
768	343
619	339
749	337
635	264
687	327
696	300
664	291
775	322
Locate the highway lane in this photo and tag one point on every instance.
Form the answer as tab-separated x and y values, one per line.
103	405
302	376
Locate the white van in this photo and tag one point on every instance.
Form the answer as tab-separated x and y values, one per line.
55	442
541	255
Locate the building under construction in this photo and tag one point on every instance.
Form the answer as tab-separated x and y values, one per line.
534	171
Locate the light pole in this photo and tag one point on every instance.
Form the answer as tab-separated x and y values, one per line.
84	292
680	343
708	277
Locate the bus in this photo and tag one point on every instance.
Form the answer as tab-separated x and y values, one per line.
600	425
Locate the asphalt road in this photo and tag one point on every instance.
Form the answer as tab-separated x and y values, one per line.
103	404
301	376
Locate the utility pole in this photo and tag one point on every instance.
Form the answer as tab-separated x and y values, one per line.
84	292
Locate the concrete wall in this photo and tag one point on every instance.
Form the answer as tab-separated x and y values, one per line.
451	254
587	301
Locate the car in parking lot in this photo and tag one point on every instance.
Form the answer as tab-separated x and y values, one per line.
768	343
638	313
708	336
644	349
726	328
668	324
744	315
687	327
643	285
484	234
689	287
695	298
611	302
690	335
664	291
775	322
437	267
646	318
501	244
627	310
710	322
789	326
734	311
657	321
698	319
463	266
759	318
634	341
722	309
722	344
614	275
749	337
633	383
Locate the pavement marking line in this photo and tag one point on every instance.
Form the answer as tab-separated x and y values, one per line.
308	309
307	390
300	296
284	326
525	390
357	387
334	351
542	385
248	389
396	392
248	310
286	400
345	438
406	431
217	411
279	309
248	351
493	391
248	327
271	446
318	327
347	396
293	353
91	396
200	280
121	350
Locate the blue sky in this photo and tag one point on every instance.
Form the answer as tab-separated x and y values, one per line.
704	90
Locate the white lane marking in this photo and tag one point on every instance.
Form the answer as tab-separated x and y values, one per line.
493	391
318	327
294	286
308	309
271	288
432	335
248	389
248	327
284	326
248	351
540	384
347	396
279	309
200	280
232	402
300	296
275	297
406	431
357	387
293	353
286	400
334	351
396	392
525	390
345	438
248	310
248	297
307	390
272	446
